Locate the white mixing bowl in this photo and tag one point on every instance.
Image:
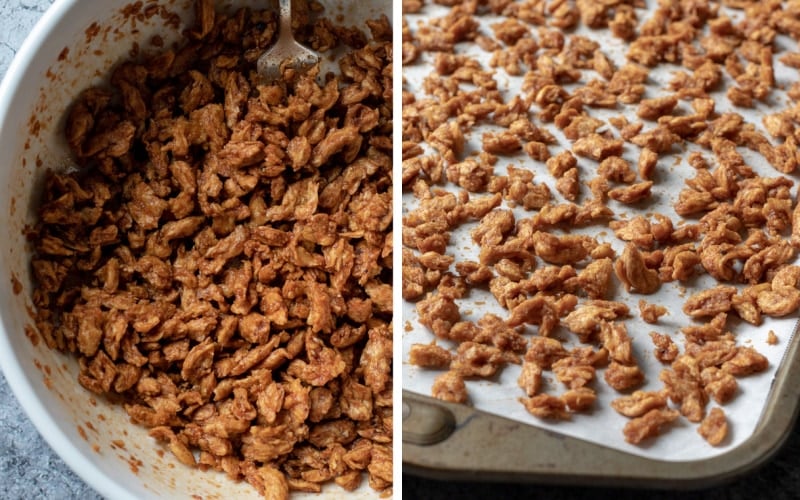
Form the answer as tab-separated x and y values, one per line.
71	48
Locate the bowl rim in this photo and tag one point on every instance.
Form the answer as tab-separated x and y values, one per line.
22	388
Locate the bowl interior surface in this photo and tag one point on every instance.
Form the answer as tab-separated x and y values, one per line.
74	46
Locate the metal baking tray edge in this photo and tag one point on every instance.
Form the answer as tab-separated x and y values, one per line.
450	441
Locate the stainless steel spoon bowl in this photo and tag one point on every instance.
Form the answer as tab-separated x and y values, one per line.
286	52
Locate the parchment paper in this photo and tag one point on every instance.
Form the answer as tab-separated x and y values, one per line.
603	425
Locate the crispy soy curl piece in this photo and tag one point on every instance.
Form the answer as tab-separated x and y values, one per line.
450	386
710	302
714	428
651	312
546	406
648	425
597	147
587	318
429	356
639	403
567	249
633	272
665	348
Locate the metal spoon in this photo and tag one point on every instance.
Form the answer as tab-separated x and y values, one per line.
286	52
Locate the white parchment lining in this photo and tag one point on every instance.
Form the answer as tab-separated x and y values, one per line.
603	425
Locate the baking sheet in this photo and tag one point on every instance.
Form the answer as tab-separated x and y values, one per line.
603	425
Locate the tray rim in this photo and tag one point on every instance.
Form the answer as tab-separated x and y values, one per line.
506	453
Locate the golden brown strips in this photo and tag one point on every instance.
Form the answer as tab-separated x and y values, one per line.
651	312
665	349
546	406
429	356
632	271
714	428
648	425
450	387
639	403
710	302
632	194
622	377
587	318
567	249
597	147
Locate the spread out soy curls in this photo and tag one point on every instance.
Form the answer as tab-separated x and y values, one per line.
565	161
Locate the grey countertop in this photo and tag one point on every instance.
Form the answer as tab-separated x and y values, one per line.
30	469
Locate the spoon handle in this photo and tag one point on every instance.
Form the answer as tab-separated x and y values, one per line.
285	13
